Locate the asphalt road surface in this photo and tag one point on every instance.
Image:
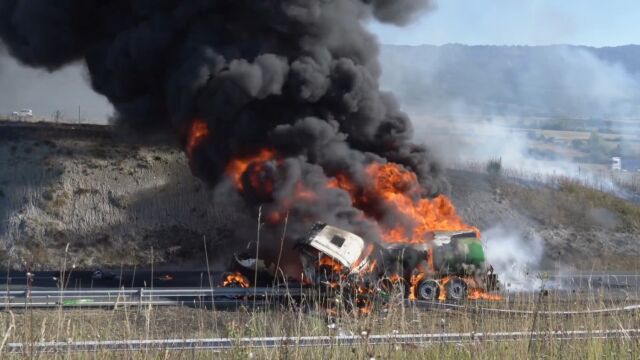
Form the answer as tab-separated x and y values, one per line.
199	288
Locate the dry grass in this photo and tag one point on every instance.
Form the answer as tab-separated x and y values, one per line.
111	201
570	202
31	326
560	200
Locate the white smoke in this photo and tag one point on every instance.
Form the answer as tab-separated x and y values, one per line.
515	258
466	105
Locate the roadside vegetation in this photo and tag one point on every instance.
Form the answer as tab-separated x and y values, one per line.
566	201
143	323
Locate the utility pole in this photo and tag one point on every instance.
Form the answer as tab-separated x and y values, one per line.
78	114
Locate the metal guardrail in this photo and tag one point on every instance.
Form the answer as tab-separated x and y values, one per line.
472	309
141	297
219	344
143	292
183	296
588	281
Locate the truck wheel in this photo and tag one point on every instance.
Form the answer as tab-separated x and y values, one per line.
456	289
428	290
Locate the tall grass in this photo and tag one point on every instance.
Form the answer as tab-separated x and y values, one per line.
294	320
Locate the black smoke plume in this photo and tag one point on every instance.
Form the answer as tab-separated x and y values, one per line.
297	76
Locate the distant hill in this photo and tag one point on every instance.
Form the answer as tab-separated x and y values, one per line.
549	81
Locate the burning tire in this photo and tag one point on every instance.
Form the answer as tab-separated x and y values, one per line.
235	280
234	285
456	289
429	290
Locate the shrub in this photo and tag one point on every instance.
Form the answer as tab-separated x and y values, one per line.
494	167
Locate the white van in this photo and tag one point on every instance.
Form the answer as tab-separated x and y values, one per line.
23	113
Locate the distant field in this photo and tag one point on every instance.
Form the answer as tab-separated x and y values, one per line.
484	140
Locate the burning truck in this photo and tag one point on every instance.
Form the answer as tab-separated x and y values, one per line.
282	115
447	266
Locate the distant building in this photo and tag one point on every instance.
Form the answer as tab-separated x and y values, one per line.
619	164
23	113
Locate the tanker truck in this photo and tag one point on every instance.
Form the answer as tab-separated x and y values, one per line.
447	266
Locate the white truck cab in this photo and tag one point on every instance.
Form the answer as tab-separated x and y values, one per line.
343	246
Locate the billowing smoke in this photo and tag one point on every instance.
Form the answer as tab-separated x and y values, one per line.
399	12
481	92
472	104
299	77
516	257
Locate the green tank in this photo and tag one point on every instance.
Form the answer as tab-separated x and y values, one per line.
457	253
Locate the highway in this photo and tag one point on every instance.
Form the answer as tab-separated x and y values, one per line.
85	289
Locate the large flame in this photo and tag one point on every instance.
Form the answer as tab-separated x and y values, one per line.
389	186
391	196
393	187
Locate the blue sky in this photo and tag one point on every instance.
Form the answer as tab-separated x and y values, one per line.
521	22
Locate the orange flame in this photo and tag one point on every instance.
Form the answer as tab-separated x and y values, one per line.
329	262
363	300
388	186
197	133
372	266
415	280
443	288
480	294
236	279
365	255
398	188
237	167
